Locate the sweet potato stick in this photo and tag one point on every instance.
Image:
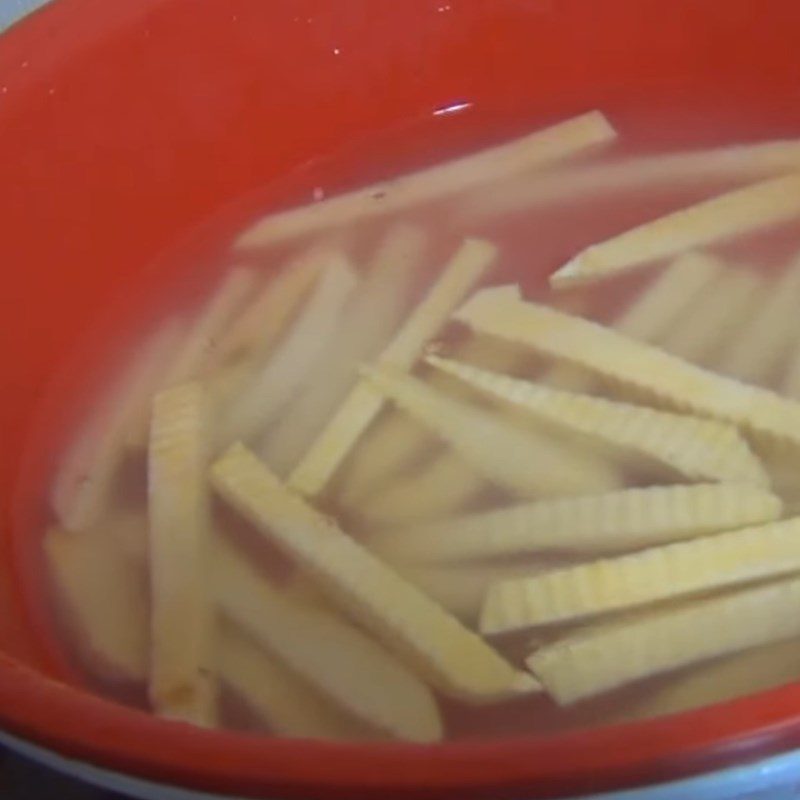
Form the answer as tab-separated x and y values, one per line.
530	152
456	660
598	660
761	205
363	403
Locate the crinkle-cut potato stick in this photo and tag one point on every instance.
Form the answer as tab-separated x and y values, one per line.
741	211
298	355
465	268
181	661
397	441
501	312
455	659
439	487
370	318
737	162
86	476
630	581
260	324
531	152
524	462
102	593
345	665
286	703
614	522
697	448
762	344
609	656
714	319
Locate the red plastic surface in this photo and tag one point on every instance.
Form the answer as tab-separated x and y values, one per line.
124	123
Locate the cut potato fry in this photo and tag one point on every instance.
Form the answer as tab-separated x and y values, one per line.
737	162
102	600
530	152
363	403
438	488
723	679
735	213
86	476
286	703
589	662
458	661
398	441
500	312
522	461
181	674
697	448
630	581
371	317
614	522
791	381
261	323
298	355
714	319
763	343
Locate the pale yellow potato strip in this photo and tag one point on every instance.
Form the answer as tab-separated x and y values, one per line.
715	318
455	659
595	661
790	385
524	462
737	162
662	376
754	207
285	702
356	674
630	581
181	661
256	329
697	448
86	476
440	487
763	343
396	442
298	355
534	151
629	519
371	317
361	406
102	601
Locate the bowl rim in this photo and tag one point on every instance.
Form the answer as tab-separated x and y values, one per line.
81	725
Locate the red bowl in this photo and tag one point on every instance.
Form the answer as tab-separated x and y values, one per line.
122	124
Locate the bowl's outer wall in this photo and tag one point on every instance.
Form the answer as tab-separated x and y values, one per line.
122	124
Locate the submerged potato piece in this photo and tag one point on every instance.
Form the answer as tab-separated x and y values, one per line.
697	448
348	668
372	315
440	487
86	475
181	670
287	704
597	660
500	312
533	151
458	661
638	579
613	522
743	161
299	354
362	404
714	318
762	344
524	462
735	213
102	600
256	329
